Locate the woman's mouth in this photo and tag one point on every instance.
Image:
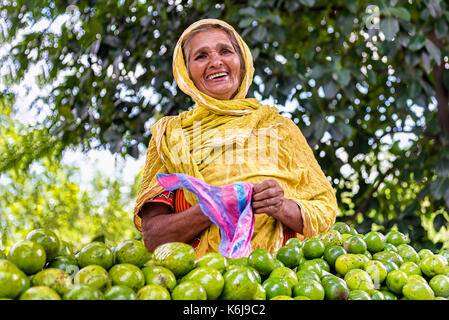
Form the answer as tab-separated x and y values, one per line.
216	76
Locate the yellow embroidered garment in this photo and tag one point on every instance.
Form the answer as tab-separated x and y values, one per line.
225	141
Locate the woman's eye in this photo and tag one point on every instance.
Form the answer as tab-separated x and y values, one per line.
201	56
226	51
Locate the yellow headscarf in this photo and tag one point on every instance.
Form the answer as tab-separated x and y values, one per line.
196	141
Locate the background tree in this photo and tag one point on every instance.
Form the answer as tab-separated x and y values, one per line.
367	82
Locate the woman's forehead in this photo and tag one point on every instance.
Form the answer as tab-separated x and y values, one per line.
209	38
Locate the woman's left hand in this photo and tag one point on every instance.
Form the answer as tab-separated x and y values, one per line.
268	197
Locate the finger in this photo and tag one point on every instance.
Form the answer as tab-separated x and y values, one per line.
266	202
268	193
258	187
267	210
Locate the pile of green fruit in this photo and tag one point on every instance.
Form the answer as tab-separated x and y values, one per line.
340	264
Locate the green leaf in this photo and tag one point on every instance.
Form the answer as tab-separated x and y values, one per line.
433	50
390	27
352	5
417	42
438	187
246	22
343	77
401	13
248	11
259	33
308	3
330	89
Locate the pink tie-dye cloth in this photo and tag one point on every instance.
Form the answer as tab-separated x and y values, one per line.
228	206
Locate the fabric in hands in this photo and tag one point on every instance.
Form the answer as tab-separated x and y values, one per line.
228	206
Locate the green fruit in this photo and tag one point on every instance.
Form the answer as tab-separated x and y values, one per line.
65	249
28	256
127	274
40	293
341	227
177	256
120	292
133	252
359	280
331	254
210	278
311	265
285	273
239	284
346	262
312	248
377	295
309	288
355	244
375	241
153	292
214	260
410	268
262	261
243	261
94	276
323	264
68	264
433	265
377	272
278	264
395	238
424	253
96	253
276	287
307	274
13	281
332	238
289	256
294	242
189	290
388	295
159	275
335	289
388	256
417	290
389	265
58	280
358	295
47	239
260	293
440	285
390	247
408	253
396	280
83	292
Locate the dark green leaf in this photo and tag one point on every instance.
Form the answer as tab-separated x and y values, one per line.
438	222
259	33
330	89
401	13
417	42
433	50
389	27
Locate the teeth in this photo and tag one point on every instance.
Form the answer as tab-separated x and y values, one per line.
213	76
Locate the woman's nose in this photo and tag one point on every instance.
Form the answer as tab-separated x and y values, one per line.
216	60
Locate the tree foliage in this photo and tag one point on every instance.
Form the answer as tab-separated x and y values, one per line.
368	81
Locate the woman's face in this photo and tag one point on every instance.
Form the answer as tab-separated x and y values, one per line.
214	65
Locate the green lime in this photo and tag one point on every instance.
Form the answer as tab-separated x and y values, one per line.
97	253
313	248
211	279
408	253
289	256
47	239
294	242
395	238
177	256
13	281
120	292
94	276
331	254
375	241
355	244
440	285
341	227
417	290
189	290
276	287
68	264
285	273
410	268
433	265
396	280
83	292
240	283
309	288
133	252
358	295
29	256
331	238
127	274
262	261
159	275
40	293
57	279
154	292
424	253
213	259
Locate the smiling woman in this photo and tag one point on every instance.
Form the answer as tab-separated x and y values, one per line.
216	142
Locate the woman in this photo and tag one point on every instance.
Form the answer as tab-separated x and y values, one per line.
291	195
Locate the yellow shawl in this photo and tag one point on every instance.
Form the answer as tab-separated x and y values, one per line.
225	141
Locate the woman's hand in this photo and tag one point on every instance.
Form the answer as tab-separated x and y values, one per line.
268	197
